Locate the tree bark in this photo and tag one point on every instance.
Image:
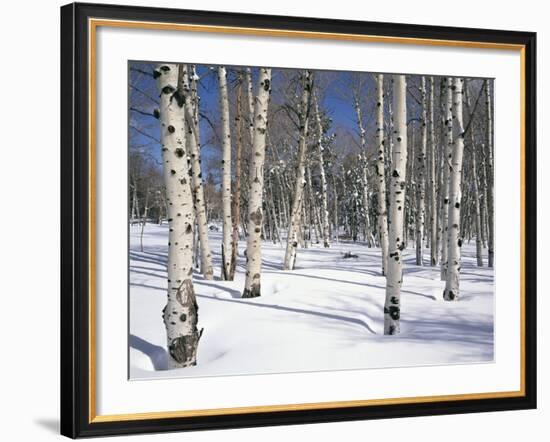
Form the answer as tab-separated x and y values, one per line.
448	143
276	236
324	192
336	219
484	188
180	314
394	279
250	103
366	204
227	237
364	177
477	196
432	186
237	192
252	287
454	240
381	172
134	210
421	177
410	207
191	109
479	248
490	175
296	213
144	218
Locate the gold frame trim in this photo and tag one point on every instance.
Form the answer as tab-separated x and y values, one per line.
93	24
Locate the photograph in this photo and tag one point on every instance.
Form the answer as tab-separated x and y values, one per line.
285	220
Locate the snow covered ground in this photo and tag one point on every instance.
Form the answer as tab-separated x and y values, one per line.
324	315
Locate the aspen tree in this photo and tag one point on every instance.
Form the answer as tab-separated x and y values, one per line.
250	103
394	278
409	208
252	287
447	147
479	255
490	176
454	239
432	187
336	219
359	118
324	192
364	177
237	193
300	182
180	314
483	182
475	180
420	176
191	117
144	218
366	204
227	239
380	172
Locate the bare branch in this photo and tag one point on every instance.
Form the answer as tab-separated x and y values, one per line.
154	100
147	114
141	71
145	134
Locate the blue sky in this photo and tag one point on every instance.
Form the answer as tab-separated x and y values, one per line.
333	100
333	88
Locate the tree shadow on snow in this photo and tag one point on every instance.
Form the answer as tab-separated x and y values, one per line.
475	338
297	310
147	286
157	354
154	259
360	284
476	277
154	275
234	293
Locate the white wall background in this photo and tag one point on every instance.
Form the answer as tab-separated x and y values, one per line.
29	221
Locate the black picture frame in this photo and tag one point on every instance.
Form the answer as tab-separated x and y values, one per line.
75	221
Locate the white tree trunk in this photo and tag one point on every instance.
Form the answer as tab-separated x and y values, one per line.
475	179
394	278
227	239
409	208
448	143
479	248
270	202
490	175
381	172
432	187
312	208
180	314
454	240
134	212
421	177
359	117
237	196
364	177
366	204
250	103
484	189
296	213
252	287
191	112
324	192
336	220
144	219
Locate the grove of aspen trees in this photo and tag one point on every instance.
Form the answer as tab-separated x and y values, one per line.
242	171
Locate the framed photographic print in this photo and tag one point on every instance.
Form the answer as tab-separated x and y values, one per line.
277	220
